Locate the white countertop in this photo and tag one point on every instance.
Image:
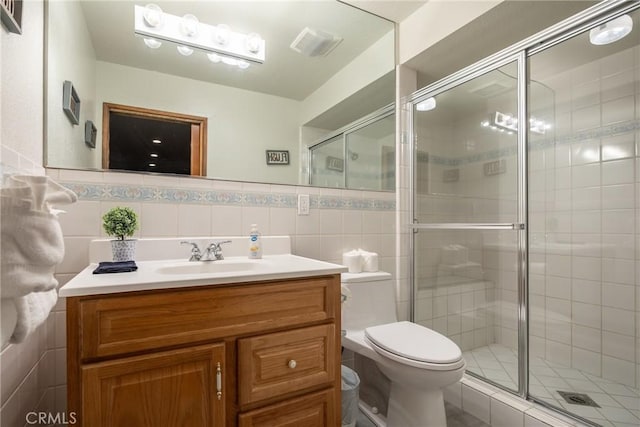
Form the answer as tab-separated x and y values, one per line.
166	274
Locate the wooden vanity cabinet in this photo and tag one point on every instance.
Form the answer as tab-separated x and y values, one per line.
246	354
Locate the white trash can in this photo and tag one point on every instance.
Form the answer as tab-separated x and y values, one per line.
350	388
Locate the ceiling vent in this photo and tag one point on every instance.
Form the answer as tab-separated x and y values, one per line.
312	42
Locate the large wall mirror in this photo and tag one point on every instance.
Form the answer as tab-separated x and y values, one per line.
285	104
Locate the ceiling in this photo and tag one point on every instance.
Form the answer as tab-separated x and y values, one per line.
285	73
502	26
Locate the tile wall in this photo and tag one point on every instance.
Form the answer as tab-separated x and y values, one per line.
584	222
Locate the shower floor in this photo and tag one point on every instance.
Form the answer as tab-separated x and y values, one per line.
619	403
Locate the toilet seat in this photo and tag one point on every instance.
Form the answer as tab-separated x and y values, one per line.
414	345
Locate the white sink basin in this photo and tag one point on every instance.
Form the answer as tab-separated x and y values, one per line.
211	267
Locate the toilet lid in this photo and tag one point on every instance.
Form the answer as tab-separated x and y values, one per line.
415	342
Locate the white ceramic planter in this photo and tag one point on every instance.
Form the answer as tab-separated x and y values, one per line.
123	250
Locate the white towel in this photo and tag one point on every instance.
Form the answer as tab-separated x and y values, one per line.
31	246
33	309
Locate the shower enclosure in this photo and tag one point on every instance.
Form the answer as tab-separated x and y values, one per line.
526	238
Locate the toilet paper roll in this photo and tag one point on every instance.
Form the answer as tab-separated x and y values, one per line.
369	262
353	261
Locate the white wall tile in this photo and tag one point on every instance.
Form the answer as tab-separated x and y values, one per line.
618	110
330	221
503	415
85	219
476	403
255	215
617	320
586	314
619	346
159	220
587	361
586	338
618	370
618	296
618	172
227	221
283	221
194	220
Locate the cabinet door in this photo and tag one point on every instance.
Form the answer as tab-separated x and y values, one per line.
170	388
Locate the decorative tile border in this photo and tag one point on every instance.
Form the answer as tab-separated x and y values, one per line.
152	194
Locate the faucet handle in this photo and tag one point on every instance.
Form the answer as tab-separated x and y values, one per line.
215	248
195	251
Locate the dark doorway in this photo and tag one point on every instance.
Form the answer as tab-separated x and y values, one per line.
138	139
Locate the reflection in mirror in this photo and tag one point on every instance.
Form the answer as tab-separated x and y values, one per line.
285	103
359	156
140	139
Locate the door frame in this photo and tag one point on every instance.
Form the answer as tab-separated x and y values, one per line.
198	164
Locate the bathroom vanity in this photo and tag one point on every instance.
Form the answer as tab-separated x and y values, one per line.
175	344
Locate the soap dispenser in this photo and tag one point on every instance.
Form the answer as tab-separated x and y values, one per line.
255	243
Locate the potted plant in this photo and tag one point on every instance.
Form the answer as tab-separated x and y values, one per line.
121	223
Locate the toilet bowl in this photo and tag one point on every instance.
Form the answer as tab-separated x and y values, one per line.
418	361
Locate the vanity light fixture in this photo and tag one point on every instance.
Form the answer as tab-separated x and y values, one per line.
611	31
189	34
502	122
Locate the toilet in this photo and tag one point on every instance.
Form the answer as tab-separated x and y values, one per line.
418	361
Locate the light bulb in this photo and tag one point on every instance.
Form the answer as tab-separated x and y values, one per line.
189	25
611	31
253	43
426	105
152	43
214	57
153	15
222	35
243	65
185	50
229	61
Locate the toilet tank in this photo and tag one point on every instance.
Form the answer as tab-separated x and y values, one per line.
371	300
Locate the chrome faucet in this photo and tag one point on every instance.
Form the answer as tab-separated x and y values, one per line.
196	255
213	252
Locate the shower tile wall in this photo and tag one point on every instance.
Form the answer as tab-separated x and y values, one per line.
584	192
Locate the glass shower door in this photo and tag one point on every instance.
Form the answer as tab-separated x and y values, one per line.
584	216
467	228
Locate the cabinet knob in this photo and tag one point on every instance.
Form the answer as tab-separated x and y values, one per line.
292	364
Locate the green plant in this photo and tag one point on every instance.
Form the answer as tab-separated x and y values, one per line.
120	222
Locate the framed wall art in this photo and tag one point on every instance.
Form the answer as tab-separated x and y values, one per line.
71	102
277	157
